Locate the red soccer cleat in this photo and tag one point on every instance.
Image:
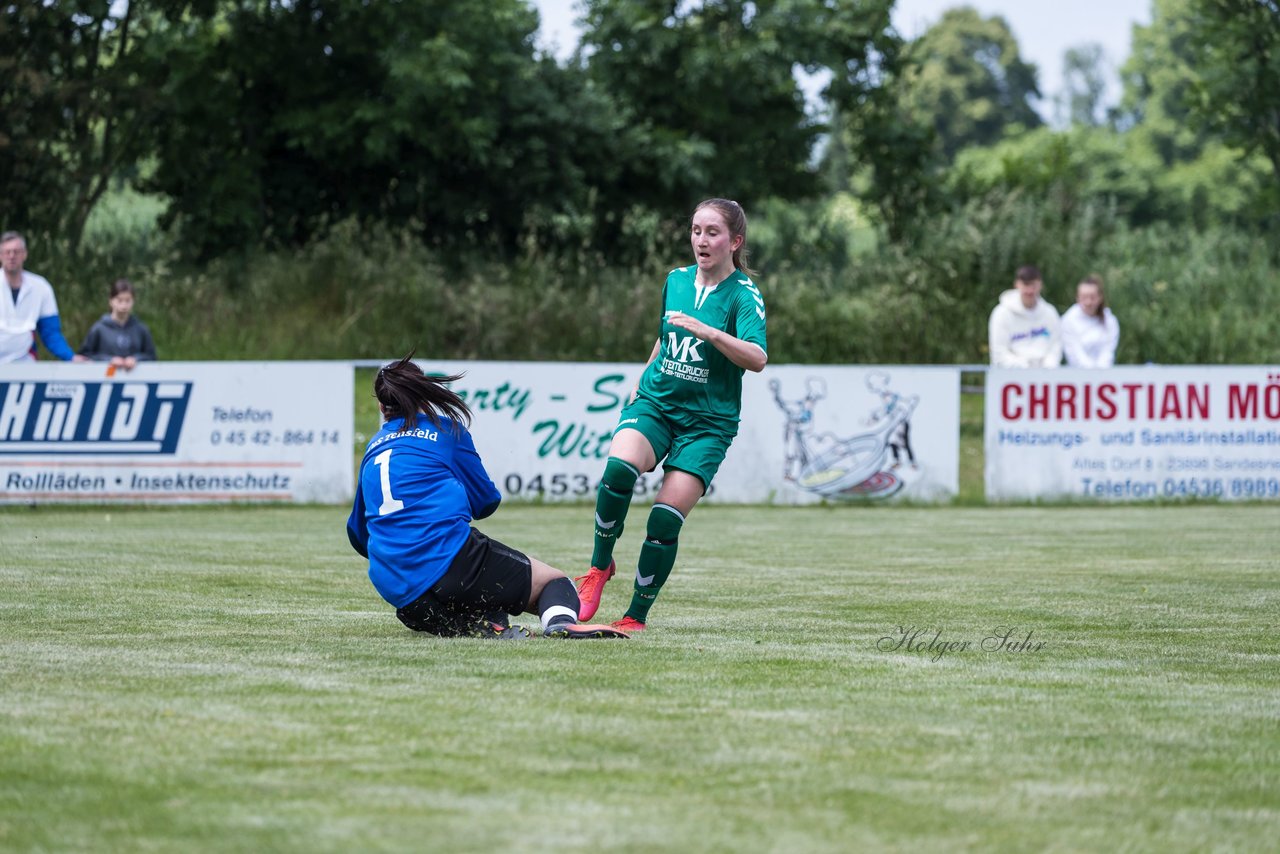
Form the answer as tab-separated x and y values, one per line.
590	588
628	625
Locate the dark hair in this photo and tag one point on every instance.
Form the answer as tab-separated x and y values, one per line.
121	286
1096	281
1028	273
406	392
736	219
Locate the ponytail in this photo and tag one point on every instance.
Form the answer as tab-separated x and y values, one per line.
406	392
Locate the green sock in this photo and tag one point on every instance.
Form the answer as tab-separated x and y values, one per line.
657	558
612	501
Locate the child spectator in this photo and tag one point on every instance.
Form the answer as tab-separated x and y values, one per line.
118	337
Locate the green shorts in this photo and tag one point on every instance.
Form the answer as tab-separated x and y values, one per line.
688	444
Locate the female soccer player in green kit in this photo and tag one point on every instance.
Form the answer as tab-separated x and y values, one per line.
685	409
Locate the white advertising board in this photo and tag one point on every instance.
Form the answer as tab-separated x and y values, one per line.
176	432
808	433
1133	434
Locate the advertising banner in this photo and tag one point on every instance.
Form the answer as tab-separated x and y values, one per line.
176	432
1133	434
808	433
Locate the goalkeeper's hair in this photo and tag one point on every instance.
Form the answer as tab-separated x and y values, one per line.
406	392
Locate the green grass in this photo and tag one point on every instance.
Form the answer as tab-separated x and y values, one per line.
226	679
972	450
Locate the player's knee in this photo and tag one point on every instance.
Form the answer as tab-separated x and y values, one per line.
664	525
619	476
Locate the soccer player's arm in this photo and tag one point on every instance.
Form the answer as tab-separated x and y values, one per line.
635	389
747	349
358	525
657	342
657	348
653	354
482	495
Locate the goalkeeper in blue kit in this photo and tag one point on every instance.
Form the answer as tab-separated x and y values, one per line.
421	484
686	407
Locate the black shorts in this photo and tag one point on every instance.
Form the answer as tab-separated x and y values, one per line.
485	577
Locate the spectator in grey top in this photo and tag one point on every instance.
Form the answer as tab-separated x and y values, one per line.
118	337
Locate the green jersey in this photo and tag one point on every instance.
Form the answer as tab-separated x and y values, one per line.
690	375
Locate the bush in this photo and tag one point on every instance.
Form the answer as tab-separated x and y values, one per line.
1182	296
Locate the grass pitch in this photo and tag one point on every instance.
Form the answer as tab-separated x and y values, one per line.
225	679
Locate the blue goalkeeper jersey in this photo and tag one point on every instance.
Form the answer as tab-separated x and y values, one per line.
417	494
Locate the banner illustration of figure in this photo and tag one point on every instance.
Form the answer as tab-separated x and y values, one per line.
799	413
891	405
852	467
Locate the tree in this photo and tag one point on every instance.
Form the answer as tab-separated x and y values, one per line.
1236	58
886	156
1068	171
1084	84
969	81
1198	92
285	116
888	150
710	93
77	104
1157	78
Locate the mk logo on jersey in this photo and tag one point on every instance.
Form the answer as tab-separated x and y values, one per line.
685	349
92	417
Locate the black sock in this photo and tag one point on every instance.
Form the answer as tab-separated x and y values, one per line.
558	602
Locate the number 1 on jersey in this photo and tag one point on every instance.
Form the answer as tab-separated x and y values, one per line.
390	503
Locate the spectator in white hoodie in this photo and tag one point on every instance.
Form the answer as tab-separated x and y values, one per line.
1090	332
1024	331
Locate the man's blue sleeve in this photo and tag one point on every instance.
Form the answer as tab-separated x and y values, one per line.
482	495
357	525
50	332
